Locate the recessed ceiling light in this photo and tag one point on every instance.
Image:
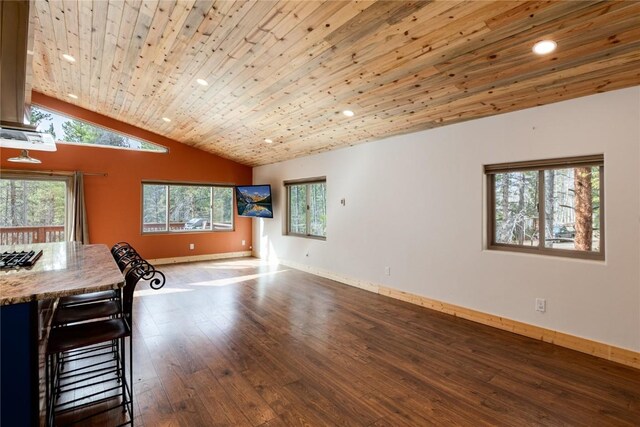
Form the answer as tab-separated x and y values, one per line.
202	82
166	119
268	141
544	47
69	58
72	96
348	113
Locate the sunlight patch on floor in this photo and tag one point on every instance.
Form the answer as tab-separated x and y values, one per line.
239	264
233	280
145	292
227	267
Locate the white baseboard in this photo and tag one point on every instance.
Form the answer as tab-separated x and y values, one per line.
194	258
584	345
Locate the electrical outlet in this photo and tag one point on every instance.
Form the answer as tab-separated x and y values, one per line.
192	246
243	243
387	271
541	305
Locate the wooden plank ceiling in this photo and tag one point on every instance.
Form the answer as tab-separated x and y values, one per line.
284	70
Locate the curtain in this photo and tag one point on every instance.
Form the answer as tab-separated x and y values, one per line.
78	230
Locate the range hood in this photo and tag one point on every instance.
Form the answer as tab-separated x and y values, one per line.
26	140
15	69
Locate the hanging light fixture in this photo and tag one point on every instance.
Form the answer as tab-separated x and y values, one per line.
24	158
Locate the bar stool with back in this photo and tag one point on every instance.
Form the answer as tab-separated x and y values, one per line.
85	336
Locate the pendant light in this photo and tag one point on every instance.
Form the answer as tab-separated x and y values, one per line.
24	158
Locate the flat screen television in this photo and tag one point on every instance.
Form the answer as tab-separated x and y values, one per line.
254	201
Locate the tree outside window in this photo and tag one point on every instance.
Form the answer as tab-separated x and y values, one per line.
32	209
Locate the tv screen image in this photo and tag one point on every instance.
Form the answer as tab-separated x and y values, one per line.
254	201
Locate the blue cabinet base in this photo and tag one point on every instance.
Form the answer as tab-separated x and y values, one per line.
19	365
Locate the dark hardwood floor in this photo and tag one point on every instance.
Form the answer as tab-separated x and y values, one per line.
240	343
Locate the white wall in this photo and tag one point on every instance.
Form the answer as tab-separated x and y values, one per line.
416	203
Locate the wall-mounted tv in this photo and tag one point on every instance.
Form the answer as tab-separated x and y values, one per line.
254	201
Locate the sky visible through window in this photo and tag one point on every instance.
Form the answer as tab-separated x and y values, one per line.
69	130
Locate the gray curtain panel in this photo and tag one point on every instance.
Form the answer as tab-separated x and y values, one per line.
78	229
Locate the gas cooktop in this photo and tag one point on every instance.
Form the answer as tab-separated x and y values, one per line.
19	259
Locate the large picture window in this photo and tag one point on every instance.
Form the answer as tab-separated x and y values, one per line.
33	208
307	208
182	207
553	207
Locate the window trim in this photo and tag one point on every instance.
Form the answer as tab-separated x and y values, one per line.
168	184
307	182
541	166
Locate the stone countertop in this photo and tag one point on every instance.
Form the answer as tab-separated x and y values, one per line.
64	268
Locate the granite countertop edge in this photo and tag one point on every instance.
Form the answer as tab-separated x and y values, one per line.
57	294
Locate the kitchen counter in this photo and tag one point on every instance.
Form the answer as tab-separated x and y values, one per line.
26	294
64	268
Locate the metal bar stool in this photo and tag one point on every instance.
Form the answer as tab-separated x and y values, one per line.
85	337
121	249
93	306
120	245
64	316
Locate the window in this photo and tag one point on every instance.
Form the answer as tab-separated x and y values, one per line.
560	200
307	208
33	209
73	131
186	207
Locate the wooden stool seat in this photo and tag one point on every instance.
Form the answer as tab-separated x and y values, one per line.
85	312
86	334
88	298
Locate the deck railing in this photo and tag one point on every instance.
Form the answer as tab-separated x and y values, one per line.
159	227
28	235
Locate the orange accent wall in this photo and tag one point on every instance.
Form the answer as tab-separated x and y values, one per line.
113	202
